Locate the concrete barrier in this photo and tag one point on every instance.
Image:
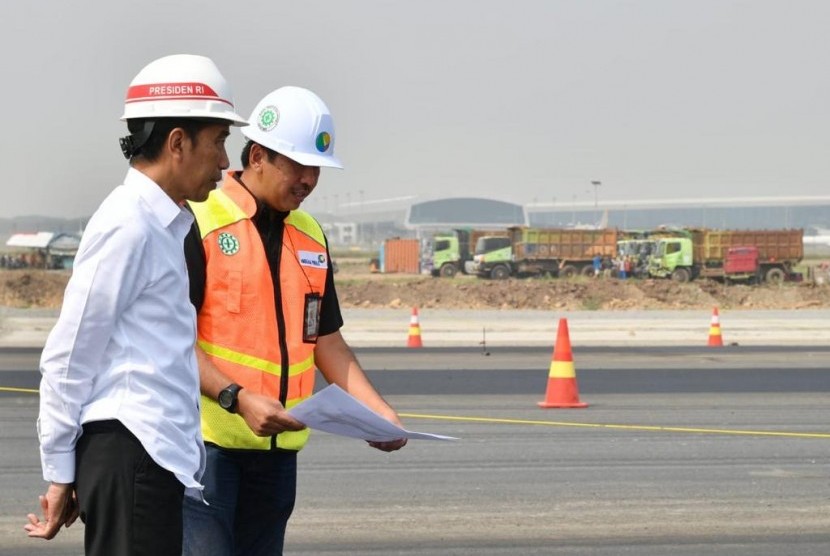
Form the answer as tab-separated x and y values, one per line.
442	328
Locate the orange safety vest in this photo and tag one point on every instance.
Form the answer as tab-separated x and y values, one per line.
238	325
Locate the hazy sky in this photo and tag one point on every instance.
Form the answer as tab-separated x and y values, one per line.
513	100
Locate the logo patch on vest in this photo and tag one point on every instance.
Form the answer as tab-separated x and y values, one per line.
310	258
228	243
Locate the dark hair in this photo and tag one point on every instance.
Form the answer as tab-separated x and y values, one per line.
246	153
150	149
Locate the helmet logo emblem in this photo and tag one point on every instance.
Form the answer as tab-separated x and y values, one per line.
228	244
323	141
268	118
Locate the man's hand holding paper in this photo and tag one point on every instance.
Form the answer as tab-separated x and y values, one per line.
334	411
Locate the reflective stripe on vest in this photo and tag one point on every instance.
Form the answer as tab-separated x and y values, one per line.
238	324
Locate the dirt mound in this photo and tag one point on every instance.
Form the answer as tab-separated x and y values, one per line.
577	294
32	288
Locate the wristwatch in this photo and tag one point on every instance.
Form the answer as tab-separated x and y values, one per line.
229	398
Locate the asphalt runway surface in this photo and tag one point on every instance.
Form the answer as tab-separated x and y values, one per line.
682	451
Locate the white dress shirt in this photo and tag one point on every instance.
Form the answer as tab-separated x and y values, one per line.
123	346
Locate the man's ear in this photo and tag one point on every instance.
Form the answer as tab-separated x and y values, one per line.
176	140
256	157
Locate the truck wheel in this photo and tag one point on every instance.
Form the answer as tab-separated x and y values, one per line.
568	271
500	273
587	271
680	275
448	270
774	276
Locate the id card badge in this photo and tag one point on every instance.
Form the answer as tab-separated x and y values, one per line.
311	321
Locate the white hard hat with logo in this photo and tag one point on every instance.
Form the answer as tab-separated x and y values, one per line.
295	123
181	86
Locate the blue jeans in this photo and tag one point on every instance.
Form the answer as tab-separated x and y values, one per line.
250	496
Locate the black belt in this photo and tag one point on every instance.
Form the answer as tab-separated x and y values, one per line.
108	426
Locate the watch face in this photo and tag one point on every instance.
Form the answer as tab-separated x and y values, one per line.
225	399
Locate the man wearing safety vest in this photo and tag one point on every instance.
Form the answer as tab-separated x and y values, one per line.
119	421
262	283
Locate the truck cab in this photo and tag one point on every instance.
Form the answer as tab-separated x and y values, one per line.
639	251
673	257
446	256
493	257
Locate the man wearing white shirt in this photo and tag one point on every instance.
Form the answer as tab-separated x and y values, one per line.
119	425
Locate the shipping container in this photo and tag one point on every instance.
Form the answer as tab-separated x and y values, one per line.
401	256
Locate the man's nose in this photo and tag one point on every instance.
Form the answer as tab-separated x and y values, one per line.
224	161
310	175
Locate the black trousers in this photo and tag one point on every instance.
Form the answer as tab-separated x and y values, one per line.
130	505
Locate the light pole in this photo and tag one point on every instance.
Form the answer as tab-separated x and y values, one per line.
573	210
596	184
362	226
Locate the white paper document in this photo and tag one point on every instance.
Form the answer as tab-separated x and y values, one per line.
335	411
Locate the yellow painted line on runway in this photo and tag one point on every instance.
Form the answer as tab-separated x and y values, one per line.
650	428
24	390
615	426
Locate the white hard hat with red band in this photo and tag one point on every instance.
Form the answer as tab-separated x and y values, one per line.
295	123
181	86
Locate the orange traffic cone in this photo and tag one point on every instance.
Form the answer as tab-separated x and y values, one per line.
715	339
562	389
414	340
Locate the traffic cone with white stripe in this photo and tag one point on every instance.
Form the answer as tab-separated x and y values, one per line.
562	390
715	338
414	340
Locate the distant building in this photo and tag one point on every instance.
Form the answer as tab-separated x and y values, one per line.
725	213
369	224
372	223
42	250
463	212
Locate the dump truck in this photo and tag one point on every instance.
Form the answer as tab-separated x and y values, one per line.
704	252
562	252
639	245
451	252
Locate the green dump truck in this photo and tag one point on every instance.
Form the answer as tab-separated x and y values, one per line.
492	257
638	246
526	251
451	253
703	253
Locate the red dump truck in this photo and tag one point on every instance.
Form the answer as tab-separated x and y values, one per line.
706	254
